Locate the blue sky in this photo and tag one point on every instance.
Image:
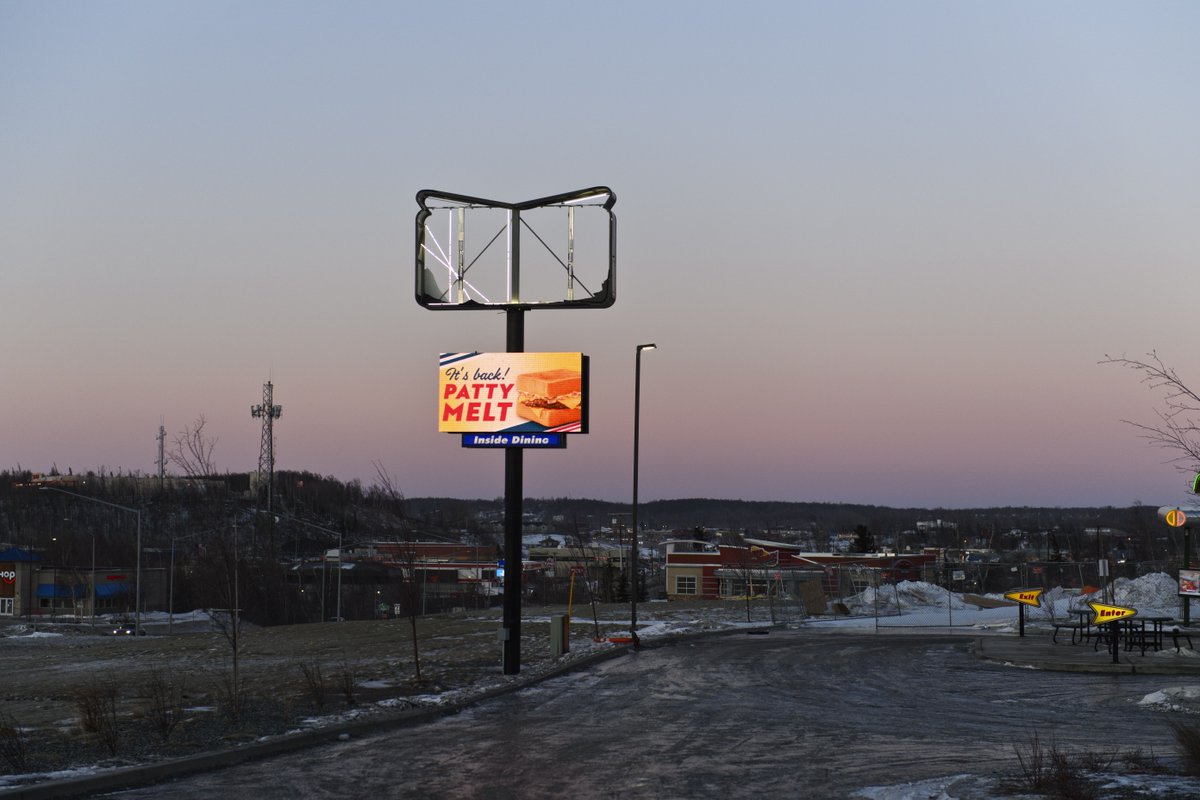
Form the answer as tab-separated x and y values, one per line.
882	247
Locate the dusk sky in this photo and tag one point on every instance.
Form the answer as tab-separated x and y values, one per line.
882	247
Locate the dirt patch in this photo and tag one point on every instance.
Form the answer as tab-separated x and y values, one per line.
980	601
363	665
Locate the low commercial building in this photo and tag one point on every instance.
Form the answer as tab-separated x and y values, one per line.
697	569
29	587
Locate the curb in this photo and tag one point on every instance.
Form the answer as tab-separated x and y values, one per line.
1096	663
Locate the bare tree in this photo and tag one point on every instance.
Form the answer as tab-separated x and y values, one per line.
410	590
192	449
221	574
1177	428
581	553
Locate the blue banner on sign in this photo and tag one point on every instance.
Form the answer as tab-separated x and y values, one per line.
514	440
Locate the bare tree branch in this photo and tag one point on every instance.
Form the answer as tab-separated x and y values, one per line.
192	450
386	483
1177	429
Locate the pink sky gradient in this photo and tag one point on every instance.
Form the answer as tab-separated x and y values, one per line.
882	248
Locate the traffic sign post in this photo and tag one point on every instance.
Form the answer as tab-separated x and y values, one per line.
1024	597
1111	615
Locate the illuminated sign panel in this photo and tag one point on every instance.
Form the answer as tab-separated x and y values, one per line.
1028	597
512	393
1105	613
1189	583
538	440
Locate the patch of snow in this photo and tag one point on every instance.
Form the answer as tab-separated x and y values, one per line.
1174	698
933	789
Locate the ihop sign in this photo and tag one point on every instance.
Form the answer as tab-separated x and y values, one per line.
8	575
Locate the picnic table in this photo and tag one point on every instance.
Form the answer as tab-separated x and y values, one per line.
1080	628
1144	633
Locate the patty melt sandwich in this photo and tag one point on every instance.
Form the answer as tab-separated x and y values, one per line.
550	398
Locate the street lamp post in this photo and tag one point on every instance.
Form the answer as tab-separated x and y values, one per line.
93	579
338	613
633	549
171	584
137	586
171	592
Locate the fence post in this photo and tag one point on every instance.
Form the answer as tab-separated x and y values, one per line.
950	601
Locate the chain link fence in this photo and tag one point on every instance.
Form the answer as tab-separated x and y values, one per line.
859	591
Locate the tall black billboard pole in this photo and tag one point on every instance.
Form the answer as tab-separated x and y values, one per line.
514	479
460	293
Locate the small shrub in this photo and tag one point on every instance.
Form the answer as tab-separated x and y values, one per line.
1053	772
14	748
1187	738
1097	760
345	683
1137	761
164	707
1032	761
232	697
97	706
314	683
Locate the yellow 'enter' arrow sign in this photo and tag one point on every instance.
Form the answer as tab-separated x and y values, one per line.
1105	613
1028	597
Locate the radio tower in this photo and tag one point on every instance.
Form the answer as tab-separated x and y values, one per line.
266	451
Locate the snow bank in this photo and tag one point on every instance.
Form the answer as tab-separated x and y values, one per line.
1153	594
908	595
1156	593
1175	698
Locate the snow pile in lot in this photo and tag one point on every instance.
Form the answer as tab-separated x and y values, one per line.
1156	593
908	595
1153	594
25	632
945	788
1175	698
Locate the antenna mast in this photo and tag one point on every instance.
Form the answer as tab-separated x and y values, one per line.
266	451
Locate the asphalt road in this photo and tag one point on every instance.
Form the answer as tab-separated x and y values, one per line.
788	715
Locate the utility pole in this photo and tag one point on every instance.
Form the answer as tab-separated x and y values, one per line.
269	412
162	456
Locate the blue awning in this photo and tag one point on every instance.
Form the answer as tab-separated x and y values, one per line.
59	590
112	589
17	554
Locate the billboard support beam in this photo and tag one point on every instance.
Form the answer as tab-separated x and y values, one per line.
514	489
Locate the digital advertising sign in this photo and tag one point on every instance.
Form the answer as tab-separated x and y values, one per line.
513	399
1189	583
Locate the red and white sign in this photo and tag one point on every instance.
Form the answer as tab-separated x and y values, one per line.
8	576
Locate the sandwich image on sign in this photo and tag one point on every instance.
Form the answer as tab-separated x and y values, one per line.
550	398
